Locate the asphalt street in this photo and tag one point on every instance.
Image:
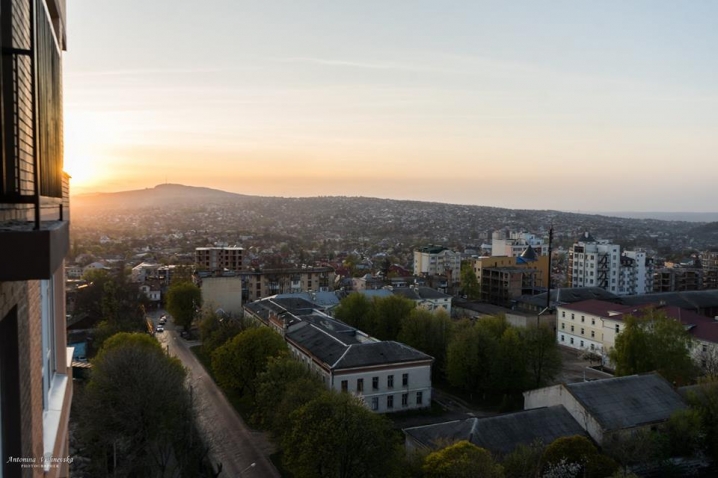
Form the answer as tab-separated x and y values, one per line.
233	443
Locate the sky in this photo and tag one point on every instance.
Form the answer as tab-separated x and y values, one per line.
567	105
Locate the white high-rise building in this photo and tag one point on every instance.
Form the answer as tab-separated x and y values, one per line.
437	260
598	263
516	243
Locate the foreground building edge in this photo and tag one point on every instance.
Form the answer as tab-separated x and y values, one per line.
35	363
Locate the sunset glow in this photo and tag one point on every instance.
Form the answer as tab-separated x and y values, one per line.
474	103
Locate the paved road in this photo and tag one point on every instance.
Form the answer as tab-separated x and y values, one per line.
233	443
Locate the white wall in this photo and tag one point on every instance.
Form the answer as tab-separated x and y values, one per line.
222	293
419	381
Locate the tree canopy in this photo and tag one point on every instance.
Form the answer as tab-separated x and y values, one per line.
654	341
336	436
135	411
462	460
183	300
469	283
237	363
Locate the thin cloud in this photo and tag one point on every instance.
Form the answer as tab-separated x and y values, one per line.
158	71
359	64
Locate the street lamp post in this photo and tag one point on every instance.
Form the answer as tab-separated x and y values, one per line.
250	466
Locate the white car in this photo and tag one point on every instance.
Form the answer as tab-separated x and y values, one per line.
159	329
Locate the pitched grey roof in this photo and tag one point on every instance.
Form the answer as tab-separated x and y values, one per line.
501	434
626	402
692	300
377	353
320	343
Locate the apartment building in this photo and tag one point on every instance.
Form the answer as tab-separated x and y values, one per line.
270	282
503	279
35	363
388	376
437	260
513	244
217	259
599	263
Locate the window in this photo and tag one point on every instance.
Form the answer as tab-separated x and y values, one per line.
360	385
571	340
375	403
390	381
563	313
582	331
618	328
572	317
582	343
404	399
47	299
583	319
419	398
561	337
572	328
405	380
593	321
563	326
345	385
390	401
593	334
592	347
375	383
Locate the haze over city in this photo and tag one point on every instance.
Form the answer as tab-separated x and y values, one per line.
508	104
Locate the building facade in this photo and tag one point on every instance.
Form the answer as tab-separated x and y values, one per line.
388	376
512	244
437	260
217	259
503	279
35	363
599	263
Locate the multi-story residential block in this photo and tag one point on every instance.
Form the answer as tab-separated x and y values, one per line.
635	273
387	375
218	259
270	282
35	363
503	279
599	263
677	278
513	244
437	260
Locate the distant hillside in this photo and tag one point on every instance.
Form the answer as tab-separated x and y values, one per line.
162	195
667	216
710	228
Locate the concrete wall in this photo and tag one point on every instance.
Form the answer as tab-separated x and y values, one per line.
559	395
419	381
222	293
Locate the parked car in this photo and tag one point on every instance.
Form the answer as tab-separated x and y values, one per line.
160	329
163	320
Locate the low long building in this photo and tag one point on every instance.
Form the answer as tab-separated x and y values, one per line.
389	376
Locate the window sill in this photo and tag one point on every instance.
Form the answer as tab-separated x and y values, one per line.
53	412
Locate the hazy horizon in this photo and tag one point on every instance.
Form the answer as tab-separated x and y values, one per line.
564	106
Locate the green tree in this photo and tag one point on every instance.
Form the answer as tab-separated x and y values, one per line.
215	331
355	310
653	341
469	283
704	399
524	461
283	387
543	358
136	412
336	436
685	433
472	359
388	315
509	365
462	460
237	363
183	299
430	333
578	449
